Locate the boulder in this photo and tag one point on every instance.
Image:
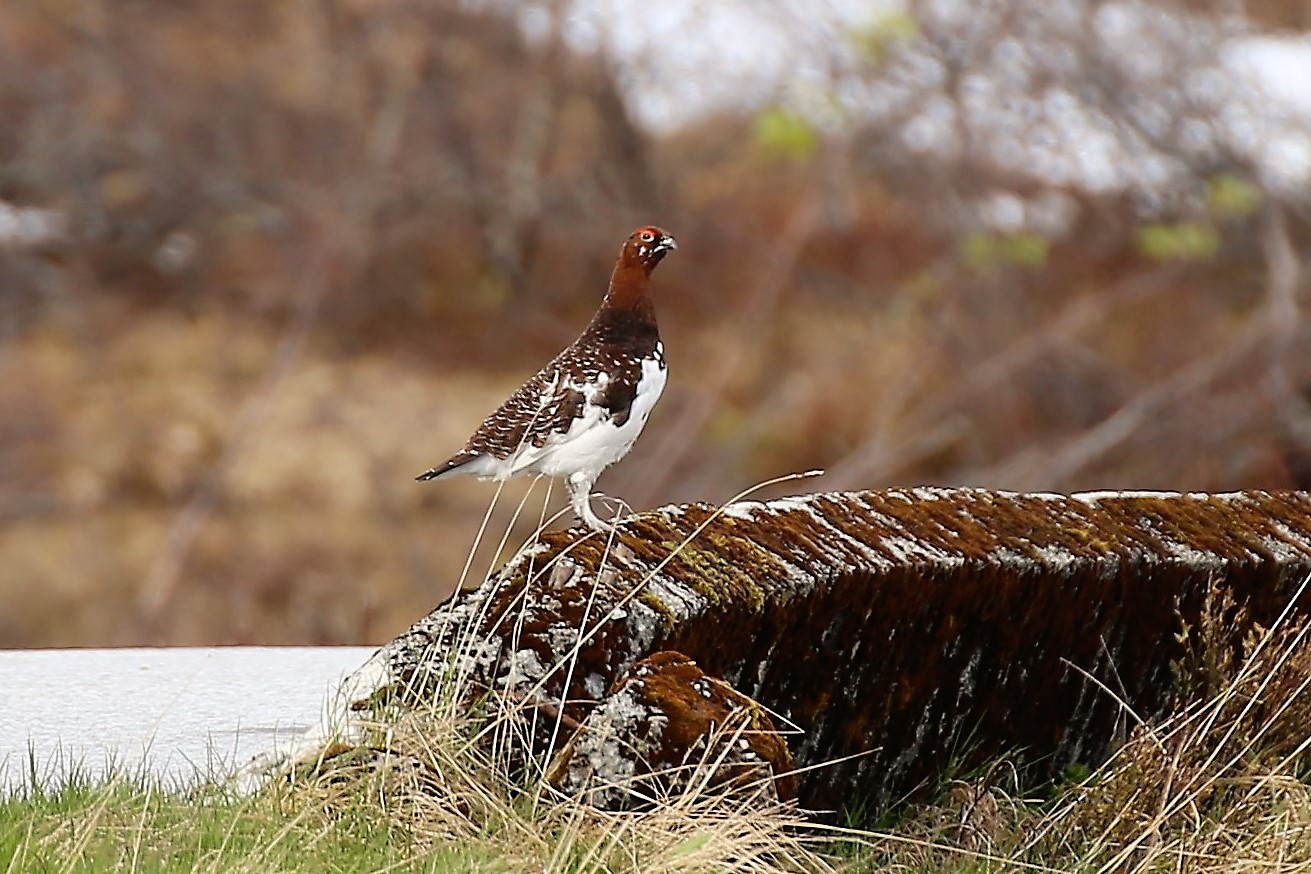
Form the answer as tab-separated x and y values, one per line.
665	728
899	630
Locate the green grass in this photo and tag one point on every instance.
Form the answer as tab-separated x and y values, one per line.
420	795
1221	785
131	824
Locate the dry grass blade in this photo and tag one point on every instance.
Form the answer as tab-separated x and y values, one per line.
461	768
1201	789
444	790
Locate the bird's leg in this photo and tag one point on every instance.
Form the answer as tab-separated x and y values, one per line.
580	490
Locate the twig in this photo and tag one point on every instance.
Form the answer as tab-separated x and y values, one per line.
933	425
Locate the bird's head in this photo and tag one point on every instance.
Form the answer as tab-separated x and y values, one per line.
647	245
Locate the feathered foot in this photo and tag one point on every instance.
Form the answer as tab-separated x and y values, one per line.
580	492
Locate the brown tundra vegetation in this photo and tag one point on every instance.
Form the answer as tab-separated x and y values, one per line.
264	262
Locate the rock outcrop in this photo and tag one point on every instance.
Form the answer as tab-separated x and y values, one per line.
898	630
666	727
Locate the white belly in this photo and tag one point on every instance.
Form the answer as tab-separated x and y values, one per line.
593	442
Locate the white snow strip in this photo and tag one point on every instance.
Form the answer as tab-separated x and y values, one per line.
178	714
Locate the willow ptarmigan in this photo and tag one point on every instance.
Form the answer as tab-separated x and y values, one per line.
582	412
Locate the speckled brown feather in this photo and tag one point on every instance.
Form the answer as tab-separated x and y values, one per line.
621	335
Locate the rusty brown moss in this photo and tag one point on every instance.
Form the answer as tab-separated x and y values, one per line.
911	622
664	727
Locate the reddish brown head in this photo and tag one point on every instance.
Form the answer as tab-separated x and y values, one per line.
646	246
628	284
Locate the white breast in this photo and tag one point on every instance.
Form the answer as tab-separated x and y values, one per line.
594	442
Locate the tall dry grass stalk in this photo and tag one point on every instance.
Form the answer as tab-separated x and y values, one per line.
446	789
1219	785
460	767
1222	783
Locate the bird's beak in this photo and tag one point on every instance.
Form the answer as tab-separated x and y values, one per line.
666	244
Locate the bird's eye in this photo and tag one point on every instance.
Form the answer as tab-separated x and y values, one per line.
647	236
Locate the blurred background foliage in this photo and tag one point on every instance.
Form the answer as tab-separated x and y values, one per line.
263	261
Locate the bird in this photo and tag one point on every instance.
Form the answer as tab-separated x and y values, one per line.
584	410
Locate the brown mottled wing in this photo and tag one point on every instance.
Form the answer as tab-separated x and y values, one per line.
541	406
549	402
526	418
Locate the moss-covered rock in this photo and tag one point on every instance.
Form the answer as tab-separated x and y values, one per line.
917	627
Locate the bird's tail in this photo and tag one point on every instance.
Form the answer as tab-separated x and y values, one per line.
451	467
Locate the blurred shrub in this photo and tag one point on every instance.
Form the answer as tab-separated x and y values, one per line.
1021	250
309	245
1186	241
781	133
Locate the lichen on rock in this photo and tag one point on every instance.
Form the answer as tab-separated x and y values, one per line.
898	629
666	726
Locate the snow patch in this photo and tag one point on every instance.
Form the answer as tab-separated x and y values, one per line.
1288	546
1096	497
744	511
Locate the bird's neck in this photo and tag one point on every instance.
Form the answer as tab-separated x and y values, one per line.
630	290
627	309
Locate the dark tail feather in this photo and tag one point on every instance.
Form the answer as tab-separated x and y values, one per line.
442	469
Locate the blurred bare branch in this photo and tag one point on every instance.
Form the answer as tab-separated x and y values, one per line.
161	584
936	421
303	248
1034	466
1284	282
776	272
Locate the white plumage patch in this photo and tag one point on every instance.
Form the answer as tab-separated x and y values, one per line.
592	442
584	410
